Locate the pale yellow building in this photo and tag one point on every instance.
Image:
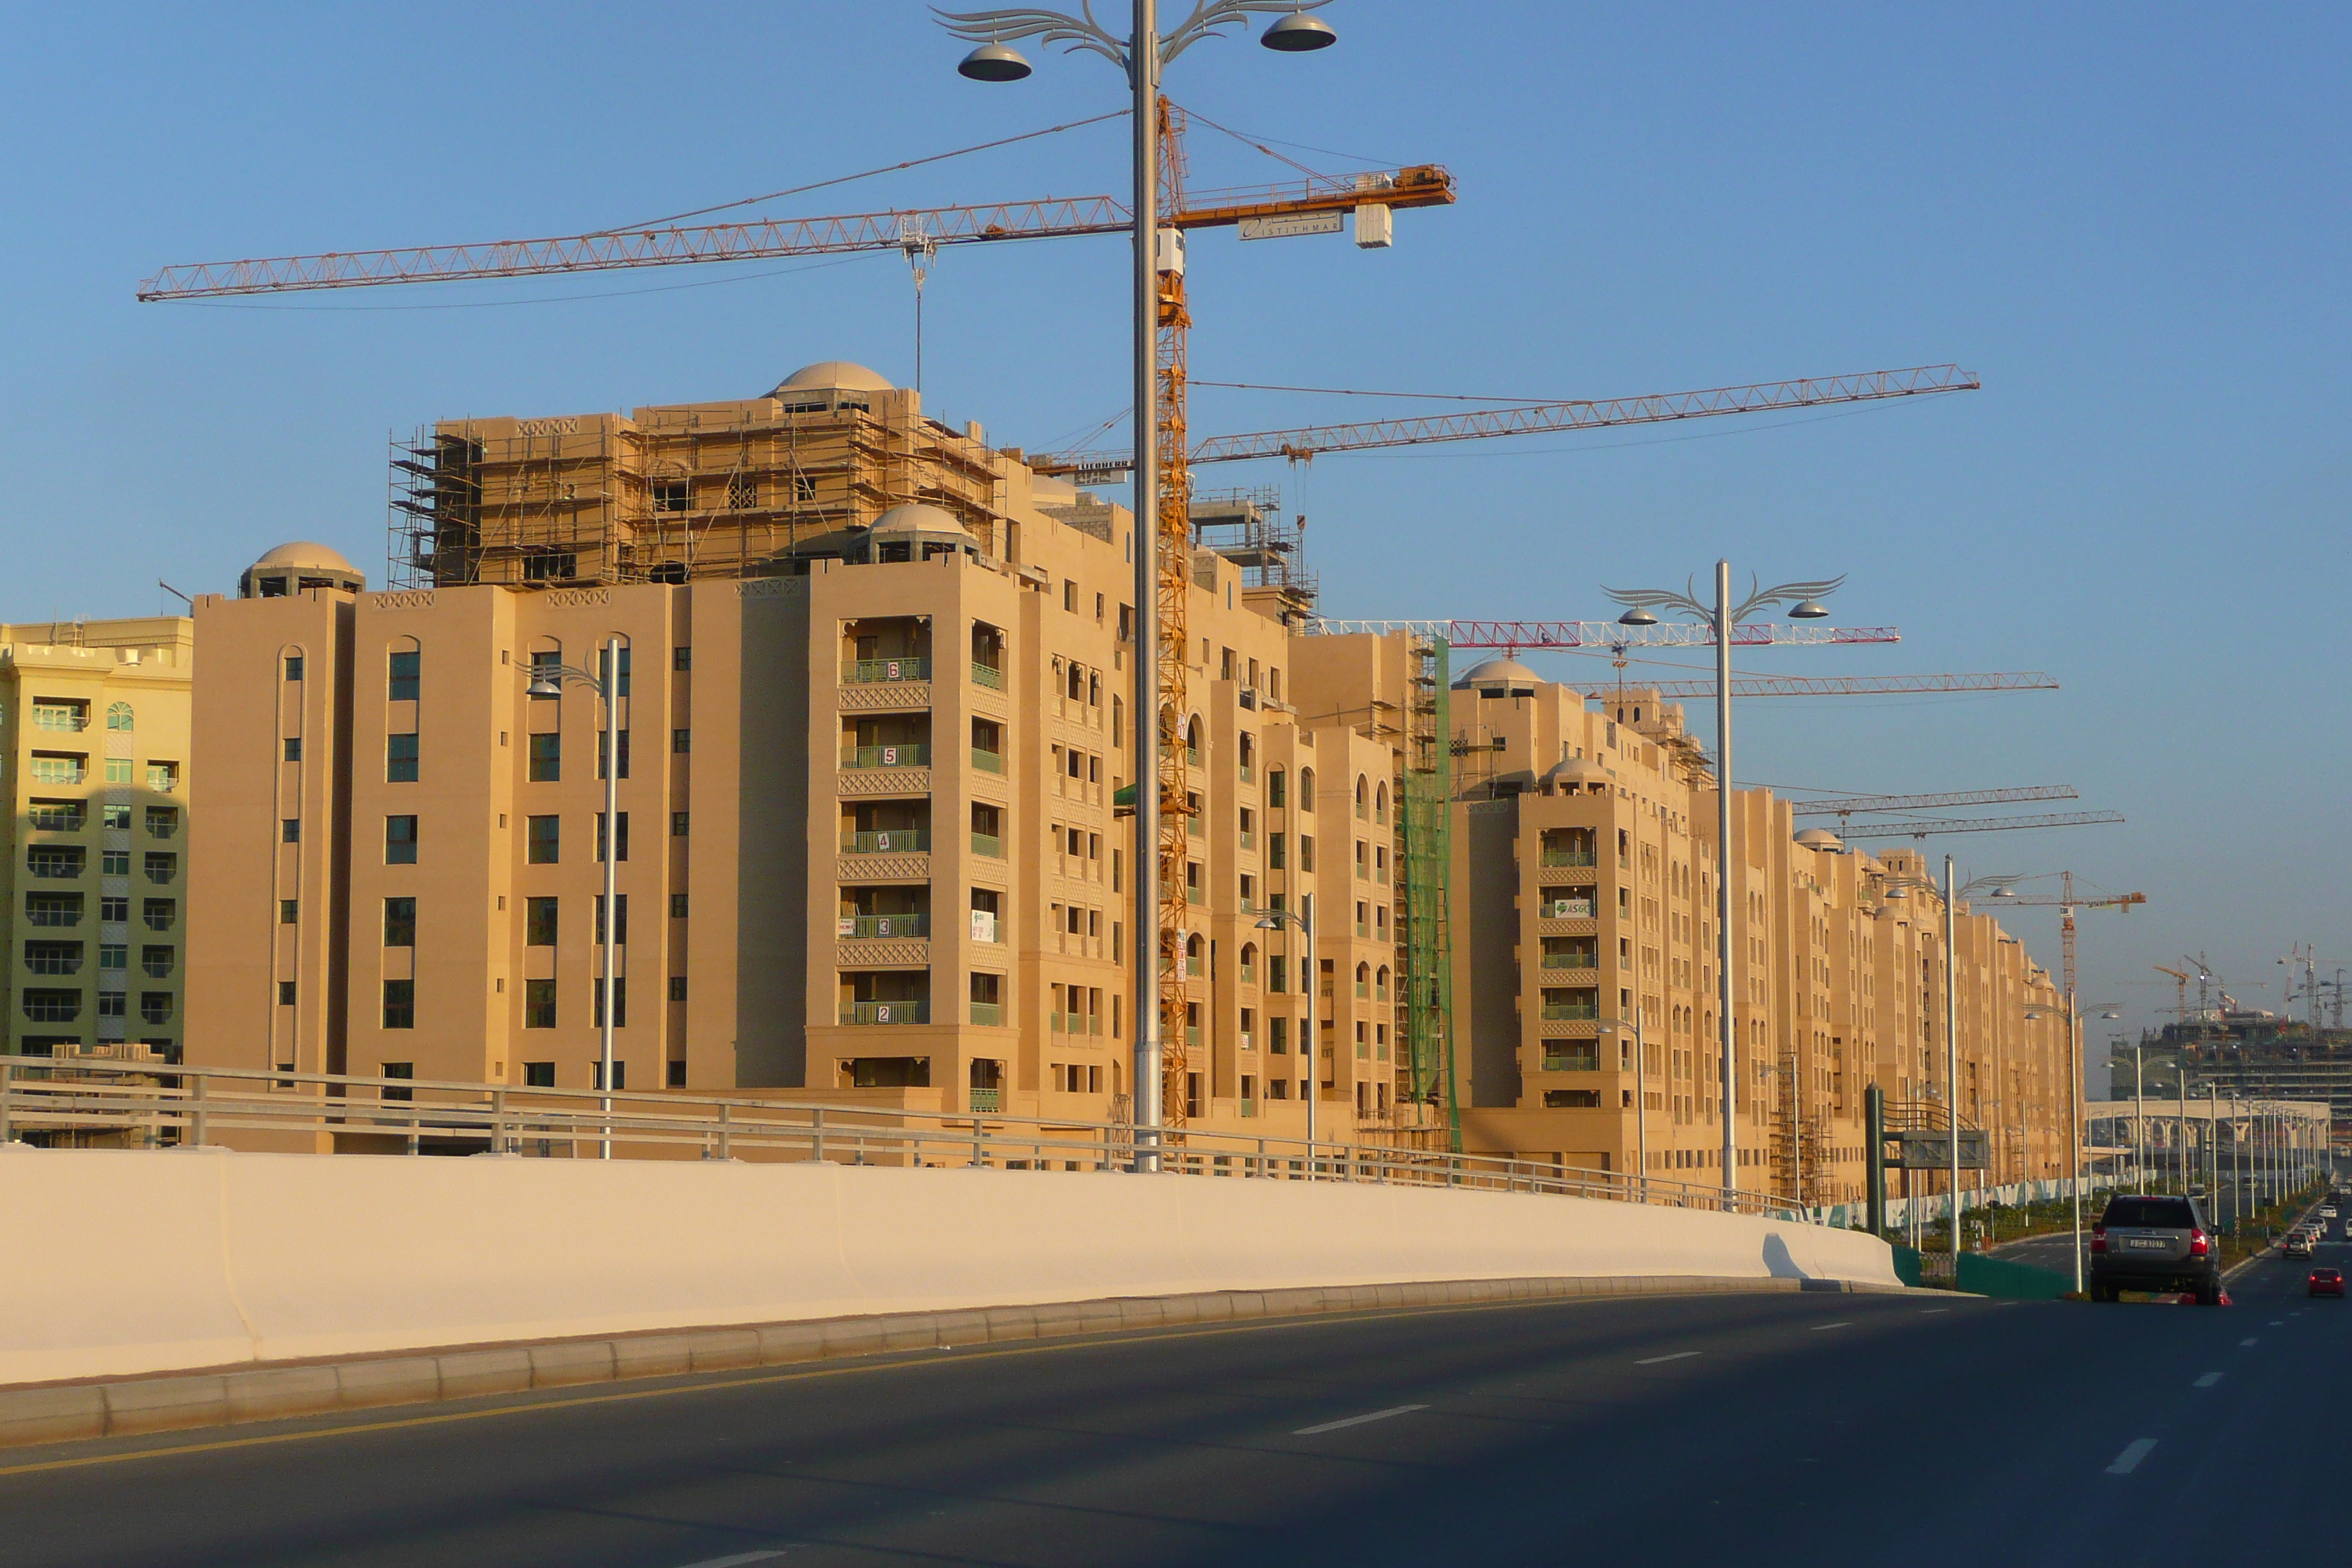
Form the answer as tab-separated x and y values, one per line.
96	765
868	847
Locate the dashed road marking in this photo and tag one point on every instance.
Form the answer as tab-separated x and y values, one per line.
737	1561
2243	1343
2127	1461
1824	1328
2209	1380
1931	1311
1678	1355
1358	1420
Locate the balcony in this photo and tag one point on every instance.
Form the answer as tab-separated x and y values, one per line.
890	841
873	671
987	1102
1570	1061
1565	910
988	762
1569	1012
45	717
885	925
988	675
988	845
56	817
905	754
1552	857
1571	960
988	1014
911	1012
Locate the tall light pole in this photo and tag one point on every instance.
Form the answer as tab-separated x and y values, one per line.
1642	606
1641	1096
1143	55
549	680
1309	977
1998	887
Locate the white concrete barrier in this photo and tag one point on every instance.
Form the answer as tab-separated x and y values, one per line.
125	1262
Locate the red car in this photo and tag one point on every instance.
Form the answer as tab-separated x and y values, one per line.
2327	1283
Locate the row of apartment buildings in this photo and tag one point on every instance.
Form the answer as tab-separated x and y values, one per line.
868	828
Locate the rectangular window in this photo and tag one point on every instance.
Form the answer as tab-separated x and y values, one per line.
406	668
289	912
113	1004
604	744
399	841
119	816
65	817
64	861
678	906
293	667
156	960
621	849
162	821
160	914
545	667
601	659
400	759
113	863
290	831
398	1071
399	1004
400	923
539	922
620	1004
53	957
681	658
545	838
53	908
681	739
620	1073
162	866
546	757
538	1004
1306	852
678	825
539	1074
678	987
671	495
620	926
45	1007
677	1074
293	748
114	955
286	993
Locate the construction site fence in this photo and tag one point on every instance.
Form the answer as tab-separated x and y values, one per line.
154	1106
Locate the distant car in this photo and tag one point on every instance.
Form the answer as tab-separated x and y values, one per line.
2327	1211
2296	1245
2327	1282
2151	1243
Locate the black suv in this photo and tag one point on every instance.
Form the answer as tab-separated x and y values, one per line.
2145	1243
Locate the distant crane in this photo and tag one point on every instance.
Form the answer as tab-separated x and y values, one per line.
1922	828
1868	686
2066	902
2180	980
1847	807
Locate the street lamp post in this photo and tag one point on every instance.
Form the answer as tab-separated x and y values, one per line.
1309	1045
1641	1098
1144	54
549	680
1998	887
1642	606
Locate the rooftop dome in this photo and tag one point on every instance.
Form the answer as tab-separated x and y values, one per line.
920	520
1574	773
1502	677
831	375
296	567
1819	838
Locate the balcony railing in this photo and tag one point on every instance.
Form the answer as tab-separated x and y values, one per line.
989	1014
905	754
867	671
58	818
909	1012
1571	1012
1249	975
1249	839
888	841
59	719
1567	910
987	1102
988	762
1552	857
885	925
1195	896
1192	966
988	675
1571	960
1572	1061
988	845
1249	774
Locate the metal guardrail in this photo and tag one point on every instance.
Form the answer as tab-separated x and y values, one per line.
166	1104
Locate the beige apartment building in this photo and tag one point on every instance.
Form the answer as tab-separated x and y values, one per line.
95	762
1584	898
867	824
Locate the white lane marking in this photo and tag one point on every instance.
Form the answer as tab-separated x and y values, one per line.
1678	1355
1824	1328
2134	1452
737	1561
2208	1381
1359	1420
1931	1311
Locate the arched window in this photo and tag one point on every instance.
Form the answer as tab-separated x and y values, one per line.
1381	983
1193	741
1193	951
1363	980
118	716
1380	803
1249	963
1363	794
1306	789
405	670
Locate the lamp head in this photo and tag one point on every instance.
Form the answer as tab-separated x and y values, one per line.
1637	616
992	62
1810	610
543	686
1299	33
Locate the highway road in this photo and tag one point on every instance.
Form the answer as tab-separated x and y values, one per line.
1819	1427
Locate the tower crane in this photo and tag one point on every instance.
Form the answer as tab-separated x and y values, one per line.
2181	984
1845	806
1371	197
2066	902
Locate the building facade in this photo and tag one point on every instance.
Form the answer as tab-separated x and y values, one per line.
96	764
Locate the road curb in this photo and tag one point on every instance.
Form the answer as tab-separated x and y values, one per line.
64	1412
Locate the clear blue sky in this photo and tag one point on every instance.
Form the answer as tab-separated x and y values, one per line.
2132	221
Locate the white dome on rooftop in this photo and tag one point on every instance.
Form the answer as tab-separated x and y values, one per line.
832	375
920	517
307	552
296	567
1506	675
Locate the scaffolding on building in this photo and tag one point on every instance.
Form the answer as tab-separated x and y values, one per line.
1427	1096
1247	527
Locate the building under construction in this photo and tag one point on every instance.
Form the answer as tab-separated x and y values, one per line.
2244	1054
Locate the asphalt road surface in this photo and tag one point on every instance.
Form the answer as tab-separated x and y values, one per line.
1784	1428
